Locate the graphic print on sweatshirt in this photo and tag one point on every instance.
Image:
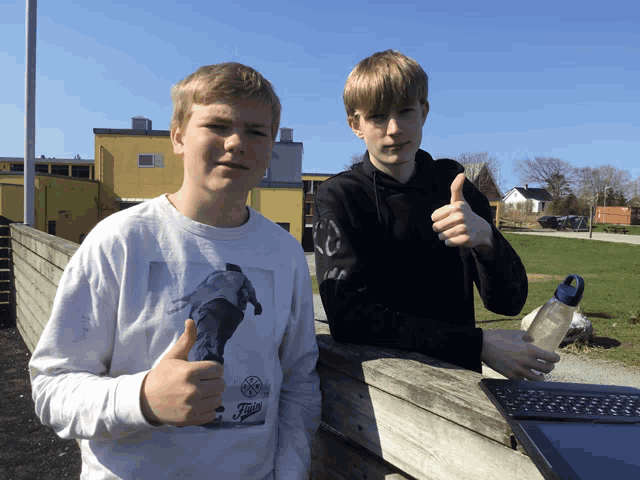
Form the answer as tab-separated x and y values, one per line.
235	327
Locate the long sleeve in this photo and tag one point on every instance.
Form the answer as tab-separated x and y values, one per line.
353	309
300	397
500	276
72	390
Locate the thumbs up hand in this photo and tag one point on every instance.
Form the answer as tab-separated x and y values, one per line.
458	225
178	392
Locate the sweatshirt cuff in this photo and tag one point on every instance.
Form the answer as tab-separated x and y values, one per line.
128	411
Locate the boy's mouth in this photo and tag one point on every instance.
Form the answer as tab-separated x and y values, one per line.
397	146
232	165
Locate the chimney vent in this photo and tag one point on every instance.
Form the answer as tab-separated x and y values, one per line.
526	186
140	123
286	134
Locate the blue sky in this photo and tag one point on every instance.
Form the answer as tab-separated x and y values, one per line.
546	78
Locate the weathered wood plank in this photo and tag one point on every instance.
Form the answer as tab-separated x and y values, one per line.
26	338
416	441
25	296
56	250
26	329
36	286
336	458
41	264
435	386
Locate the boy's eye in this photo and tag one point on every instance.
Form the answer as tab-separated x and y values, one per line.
259	133
217	126
376	116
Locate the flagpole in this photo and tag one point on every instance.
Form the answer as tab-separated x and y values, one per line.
30	113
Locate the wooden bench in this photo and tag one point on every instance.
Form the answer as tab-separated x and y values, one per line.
389	414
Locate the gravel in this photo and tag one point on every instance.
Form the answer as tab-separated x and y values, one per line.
571	368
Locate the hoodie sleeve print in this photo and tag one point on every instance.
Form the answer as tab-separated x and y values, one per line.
300	397
500	276
353	312
69	368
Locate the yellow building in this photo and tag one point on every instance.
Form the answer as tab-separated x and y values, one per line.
64	206
131	166
68	167
137	164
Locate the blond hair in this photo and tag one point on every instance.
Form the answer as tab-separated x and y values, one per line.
220	82
381	80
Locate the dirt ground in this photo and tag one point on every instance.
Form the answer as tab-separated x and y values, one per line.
28	449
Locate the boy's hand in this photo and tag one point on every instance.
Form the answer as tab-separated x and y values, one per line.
511	353
178	392
458	225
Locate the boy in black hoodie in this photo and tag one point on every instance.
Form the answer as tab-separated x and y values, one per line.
400	239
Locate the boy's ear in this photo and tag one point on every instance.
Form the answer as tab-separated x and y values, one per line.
354	123
176	140
425	111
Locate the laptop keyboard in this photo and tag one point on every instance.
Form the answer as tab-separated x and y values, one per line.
521	403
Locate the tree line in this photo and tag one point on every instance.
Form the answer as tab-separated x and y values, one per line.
573	189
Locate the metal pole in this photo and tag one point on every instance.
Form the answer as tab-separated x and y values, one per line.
604	211
30	113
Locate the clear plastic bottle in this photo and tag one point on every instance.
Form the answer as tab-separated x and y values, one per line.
553	320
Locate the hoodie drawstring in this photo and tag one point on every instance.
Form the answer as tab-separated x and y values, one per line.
375	192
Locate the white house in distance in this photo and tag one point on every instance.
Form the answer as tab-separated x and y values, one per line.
539	196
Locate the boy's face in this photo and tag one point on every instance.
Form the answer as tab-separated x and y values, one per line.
392	137
226	146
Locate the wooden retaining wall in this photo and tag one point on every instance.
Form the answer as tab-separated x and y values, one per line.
386	414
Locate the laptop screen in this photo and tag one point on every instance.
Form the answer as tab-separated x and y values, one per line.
590	450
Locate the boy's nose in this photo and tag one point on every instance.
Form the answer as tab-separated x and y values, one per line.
235	143
392	126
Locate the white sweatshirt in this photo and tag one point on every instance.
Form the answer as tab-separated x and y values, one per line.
121	305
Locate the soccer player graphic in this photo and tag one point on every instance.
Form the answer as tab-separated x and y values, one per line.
217	307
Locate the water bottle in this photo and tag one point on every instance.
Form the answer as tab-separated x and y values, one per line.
553	320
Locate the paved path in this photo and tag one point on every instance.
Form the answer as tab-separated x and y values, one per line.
604	237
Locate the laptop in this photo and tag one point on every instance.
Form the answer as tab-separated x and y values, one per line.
572	430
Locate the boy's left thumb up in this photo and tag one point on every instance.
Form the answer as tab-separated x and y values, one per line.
456	188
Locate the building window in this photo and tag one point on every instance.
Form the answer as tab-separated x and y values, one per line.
42	168
60	170
17	167
150	160
284	225
51	227
80	171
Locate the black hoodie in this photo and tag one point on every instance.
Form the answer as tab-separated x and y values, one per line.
385	277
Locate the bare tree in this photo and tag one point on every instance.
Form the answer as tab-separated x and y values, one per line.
543	171
591	182
473	163
355	158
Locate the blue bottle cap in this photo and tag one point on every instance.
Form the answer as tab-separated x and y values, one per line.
569	295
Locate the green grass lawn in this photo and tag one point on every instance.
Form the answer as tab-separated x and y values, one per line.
611	272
